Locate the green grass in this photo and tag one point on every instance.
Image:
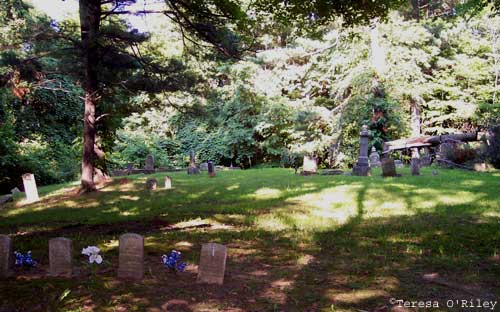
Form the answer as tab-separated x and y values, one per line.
316	243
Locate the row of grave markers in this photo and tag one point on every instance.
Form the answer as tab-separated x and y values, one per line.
130	260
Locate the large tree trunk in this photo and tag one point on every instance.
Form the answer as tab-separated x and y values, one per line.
90	15
414	118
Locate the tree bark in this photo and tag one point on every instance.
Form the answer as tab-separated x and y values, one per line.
90	15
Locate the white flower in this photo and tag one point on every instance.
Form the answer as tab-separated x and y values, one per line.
93	253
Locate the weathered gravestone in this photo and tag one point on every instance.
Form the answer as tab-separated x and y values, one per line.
310	165
398	163
130	167
151	184
211	169
192	169
6	256
204	166
362	168
425	158
388	167
30	187
374	158
212	264
150	162
131	257
61	257
6	198
168	183
415	162
15	191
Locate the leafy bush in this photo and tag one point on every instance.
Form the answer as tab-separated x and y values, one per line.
460	154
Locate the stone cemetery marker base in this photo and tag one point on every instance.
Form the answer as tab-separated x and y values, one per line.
310	165
30	187
131	257
212	264
6	256
168	182
61	257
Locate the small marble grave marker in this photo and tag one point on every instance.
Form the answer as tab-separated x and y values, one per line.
415	162
30	187
168	182
192	169
15	191
374	158
212	264
61	257
151	184
131	257
310	164
6	256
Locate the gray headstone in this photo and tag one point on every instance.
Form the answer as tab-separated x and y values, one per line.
415	162
211	169
61	257
212	264
374	158
6	256
131	257
168	182
15	191
398	163
362	168
150	162
425	158
310	164
151	184
204	166
30	187
388	167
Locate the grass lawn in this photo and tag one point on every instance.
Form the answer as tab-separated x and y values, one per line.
316	243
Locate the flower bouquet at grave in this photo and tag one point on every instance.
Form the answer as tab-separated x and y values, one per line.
92	252
173	261
25	261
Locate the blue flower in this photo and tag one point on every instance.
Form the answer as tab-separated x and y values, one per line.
172	261
24	260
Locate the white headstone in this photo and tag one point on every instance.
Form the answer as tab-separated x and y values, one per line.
212	264
30	187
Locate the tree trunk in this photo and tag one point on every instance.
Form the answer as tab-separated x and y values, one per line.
90	15
414	118
377	55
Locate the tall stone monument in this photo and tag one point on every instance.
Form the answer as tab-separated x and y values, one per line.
192	169
374	158
212	264
362	168
6	256
61	257
131	257
30	187
415	162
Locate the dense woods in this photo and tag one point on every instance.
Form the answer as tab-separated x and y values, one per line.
241	88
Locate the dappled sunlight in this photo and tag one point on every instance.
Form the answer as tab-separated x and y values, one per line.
356	296
233	187
266	193
128	197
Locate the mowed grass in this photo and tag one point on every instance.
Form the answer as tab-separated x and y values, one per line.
315	243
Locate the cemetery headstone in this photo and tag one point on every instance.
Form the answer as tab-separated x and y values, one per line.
15	191
332	172
130	167
204	166
131	257
150	162
192	169
212	264
374	158
398	163
425	158
6	256
388	167
61	257
168	182
415	162
310	165
362	168
211	169
151	184
6	198
30	187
